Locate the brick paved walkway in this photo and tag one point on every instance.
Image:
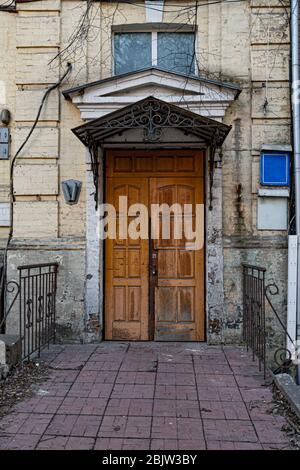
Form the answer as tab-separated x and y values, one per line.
146	396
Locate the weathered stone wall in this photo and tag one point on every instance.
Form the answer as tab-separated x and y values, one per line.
70	254
261	116
244	42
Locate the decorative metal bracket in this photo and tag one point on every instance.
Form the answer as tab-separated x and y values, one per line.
152	116
212	152
93	149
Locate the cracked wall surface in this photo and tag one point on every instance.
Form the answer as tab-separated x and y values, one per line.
247	43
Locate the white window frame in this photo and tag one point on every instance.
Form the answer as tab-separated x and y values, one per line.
154	44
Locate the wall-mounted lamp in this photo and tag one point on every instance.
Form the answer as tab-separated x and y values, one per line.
71	190
5	116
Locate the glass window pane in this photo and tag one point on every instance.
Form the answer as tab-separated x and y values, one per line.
132	51
175	52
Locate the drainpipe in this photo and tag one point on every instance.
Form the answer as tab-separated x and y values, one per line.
296	142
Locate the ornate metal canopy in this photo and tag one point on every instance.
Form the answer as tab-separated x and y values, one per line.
153	116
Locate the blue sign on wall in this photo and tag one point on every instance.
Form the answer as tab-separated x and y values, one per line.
275	169
4	143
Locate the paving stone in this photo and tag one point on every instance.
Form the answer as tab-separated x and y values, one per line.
63	376
164	444
86	426
216	380
36	423
262	394
210	360
219	393
122	444
132	391
252	381
164	378
11	423
177	408
22	442
38	404
229	445
223	410
94	376
260	411
143	378
175	359
90	390
61	425
84	406
125	426
131	396
53	389
202	368
176	428
285	446
66	443
4	440
102	365
229	430
171	368
139	366
270	432
191	444
176	392
101	391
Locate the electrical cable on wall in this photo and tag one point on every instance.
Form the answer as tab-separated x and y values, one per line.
12	196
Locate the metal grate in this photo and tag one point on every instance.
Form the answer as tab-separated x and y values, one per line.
254	323
38	283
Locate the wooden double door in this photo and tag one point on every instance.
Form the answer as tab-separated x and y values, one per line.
154	286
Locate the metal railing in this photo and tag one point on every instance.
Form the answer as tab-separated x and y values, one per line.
254	312
255	295
37	306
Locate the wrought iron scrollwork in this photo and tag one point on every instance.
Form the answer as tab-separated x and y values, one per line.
49	305
255	294
153	116
13	289
283	359
94	167
28	313
282	356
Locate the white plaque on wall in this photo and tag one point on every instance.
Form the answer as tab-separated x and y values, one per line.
272	213
4	214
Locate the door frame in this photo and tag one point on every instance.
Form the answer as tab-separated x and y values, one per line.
103	250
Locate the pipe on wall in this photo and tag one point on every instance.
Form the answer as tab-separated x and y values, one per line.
296	142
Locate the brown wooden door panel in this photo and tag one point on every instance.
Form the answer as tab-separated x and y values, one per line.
142	163
127	275
179	293
176	293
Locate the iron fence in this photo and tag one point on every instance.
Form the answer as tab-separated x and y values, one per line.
37	306
256	295
254	312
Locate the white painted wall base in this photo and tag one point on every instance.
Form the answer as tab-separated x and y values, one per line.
292	290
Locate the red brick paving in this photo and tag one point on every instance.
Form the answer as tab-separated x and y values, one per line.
159	396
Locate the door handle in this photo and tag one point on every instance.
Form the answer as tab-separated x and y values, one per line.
154	272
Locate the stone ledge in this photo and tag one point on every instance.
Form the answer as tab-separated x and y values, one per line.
290	390
255	242
10	348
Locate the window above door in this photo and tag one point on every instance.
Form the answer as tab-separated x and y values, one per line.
170	50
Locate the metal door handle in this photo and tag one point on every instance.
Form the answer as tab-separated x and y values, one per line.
154	272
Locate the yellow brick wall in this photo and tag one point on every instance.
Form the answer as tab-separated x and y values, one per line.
37	219
244	41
